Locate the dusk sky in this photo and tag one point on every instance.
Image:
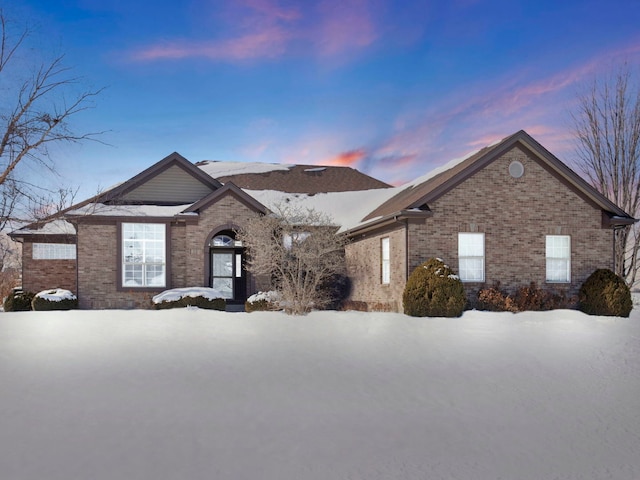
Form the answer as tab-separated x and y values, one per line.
392	88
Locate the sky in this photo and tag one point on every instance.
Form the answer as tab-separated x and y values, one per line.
392	88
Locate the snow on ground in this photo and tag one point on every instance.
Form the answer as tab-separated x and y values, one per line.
195	394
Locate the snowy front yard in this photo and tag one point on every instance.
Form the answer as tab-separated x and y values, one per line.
194	394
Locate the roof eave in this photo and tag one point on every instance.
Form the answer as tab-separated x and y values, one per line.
387	220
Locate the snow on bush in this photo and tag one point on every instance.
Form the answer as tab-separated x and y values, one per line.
202	297
261	301
54	299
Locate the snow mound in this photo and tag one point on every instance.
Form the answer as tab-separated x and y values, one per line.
270	296
56	295
176	294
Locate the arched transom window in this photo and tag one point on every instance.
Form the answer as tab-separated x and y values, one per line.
222	241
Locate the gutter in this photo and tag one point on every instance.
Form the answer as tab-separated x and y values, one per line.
387	220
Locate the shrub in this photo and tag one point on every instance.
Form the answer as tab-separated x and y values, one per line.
433	290
18	301
201	297
337	288
354	305
526	298
493	299
56	299
262	301
199	301
605	293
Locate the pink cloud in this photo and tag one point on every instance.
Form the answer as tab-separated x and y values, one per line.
347	159
269	43
263	29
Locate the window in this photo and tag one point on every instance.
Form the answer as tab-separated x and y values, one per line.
288	239
53	251
558	253
385	254
143	255
471	257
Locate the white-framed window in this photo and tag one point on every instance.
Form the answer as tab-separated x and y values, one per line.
558	254
471	257
385	255
53	251
144	255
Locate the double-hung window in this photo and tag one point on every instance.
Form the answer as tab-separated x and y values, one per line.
558	254
385	255
144	255
471	257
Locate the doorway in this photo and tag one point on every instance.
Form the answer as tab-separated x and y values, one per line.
227	272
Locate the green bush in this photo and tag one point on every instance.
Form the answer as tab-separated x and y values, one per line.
41	304
605	293
199	301
433	290
18	301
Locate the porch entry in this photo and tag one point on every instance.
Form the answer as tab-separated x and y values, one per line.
228	275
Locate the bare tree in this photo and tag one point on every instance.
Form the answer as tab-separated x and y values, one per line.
300	251
607	129
37	103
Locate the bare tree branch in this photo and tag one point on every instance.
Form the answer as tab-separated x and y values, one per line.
607	130
299	250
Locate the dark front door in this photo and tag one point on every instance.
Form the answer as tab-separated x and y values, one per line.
227	269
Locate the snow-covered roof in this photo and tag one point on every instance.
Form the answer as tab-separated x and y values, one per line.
346	209
100	209
54	227
218	169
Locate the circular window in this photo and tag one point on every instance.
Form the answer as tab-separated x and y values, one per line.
516	169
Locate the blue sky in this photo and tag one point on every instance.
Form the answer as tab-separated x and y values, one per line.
393	88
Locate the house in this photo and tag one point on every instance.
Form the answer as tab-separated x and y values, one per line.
511	212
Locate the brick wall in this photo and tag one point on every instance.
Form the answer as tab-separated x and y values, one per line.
515	215
364	268
98	257
38	275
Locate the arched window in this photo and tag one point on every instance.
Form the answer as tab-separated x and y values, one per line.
222	241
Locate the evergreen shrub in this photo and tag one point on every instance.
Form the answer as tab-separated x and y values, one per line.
433	290
55	299
605	293
18	301
199	301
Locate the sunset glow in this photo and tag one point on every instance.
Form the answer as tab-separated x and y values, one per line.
393	89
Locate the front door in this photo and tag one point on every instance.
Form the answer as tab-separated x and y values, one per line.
227	269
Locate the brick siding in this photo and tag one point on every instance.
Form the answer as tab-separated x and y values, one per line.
514	214
98	258
39	275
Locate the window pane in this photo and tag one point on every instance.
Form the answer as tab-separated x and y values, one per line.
132	276
143	254
558	254
471	257
53	251
224	286
386	260
154	275
222	264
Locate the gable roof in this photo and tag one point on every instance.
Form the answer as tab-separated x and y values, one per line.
426	189
183	183
309	179
228	188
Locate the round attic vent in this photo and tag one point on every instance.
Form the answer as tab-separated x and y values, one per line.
516	169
